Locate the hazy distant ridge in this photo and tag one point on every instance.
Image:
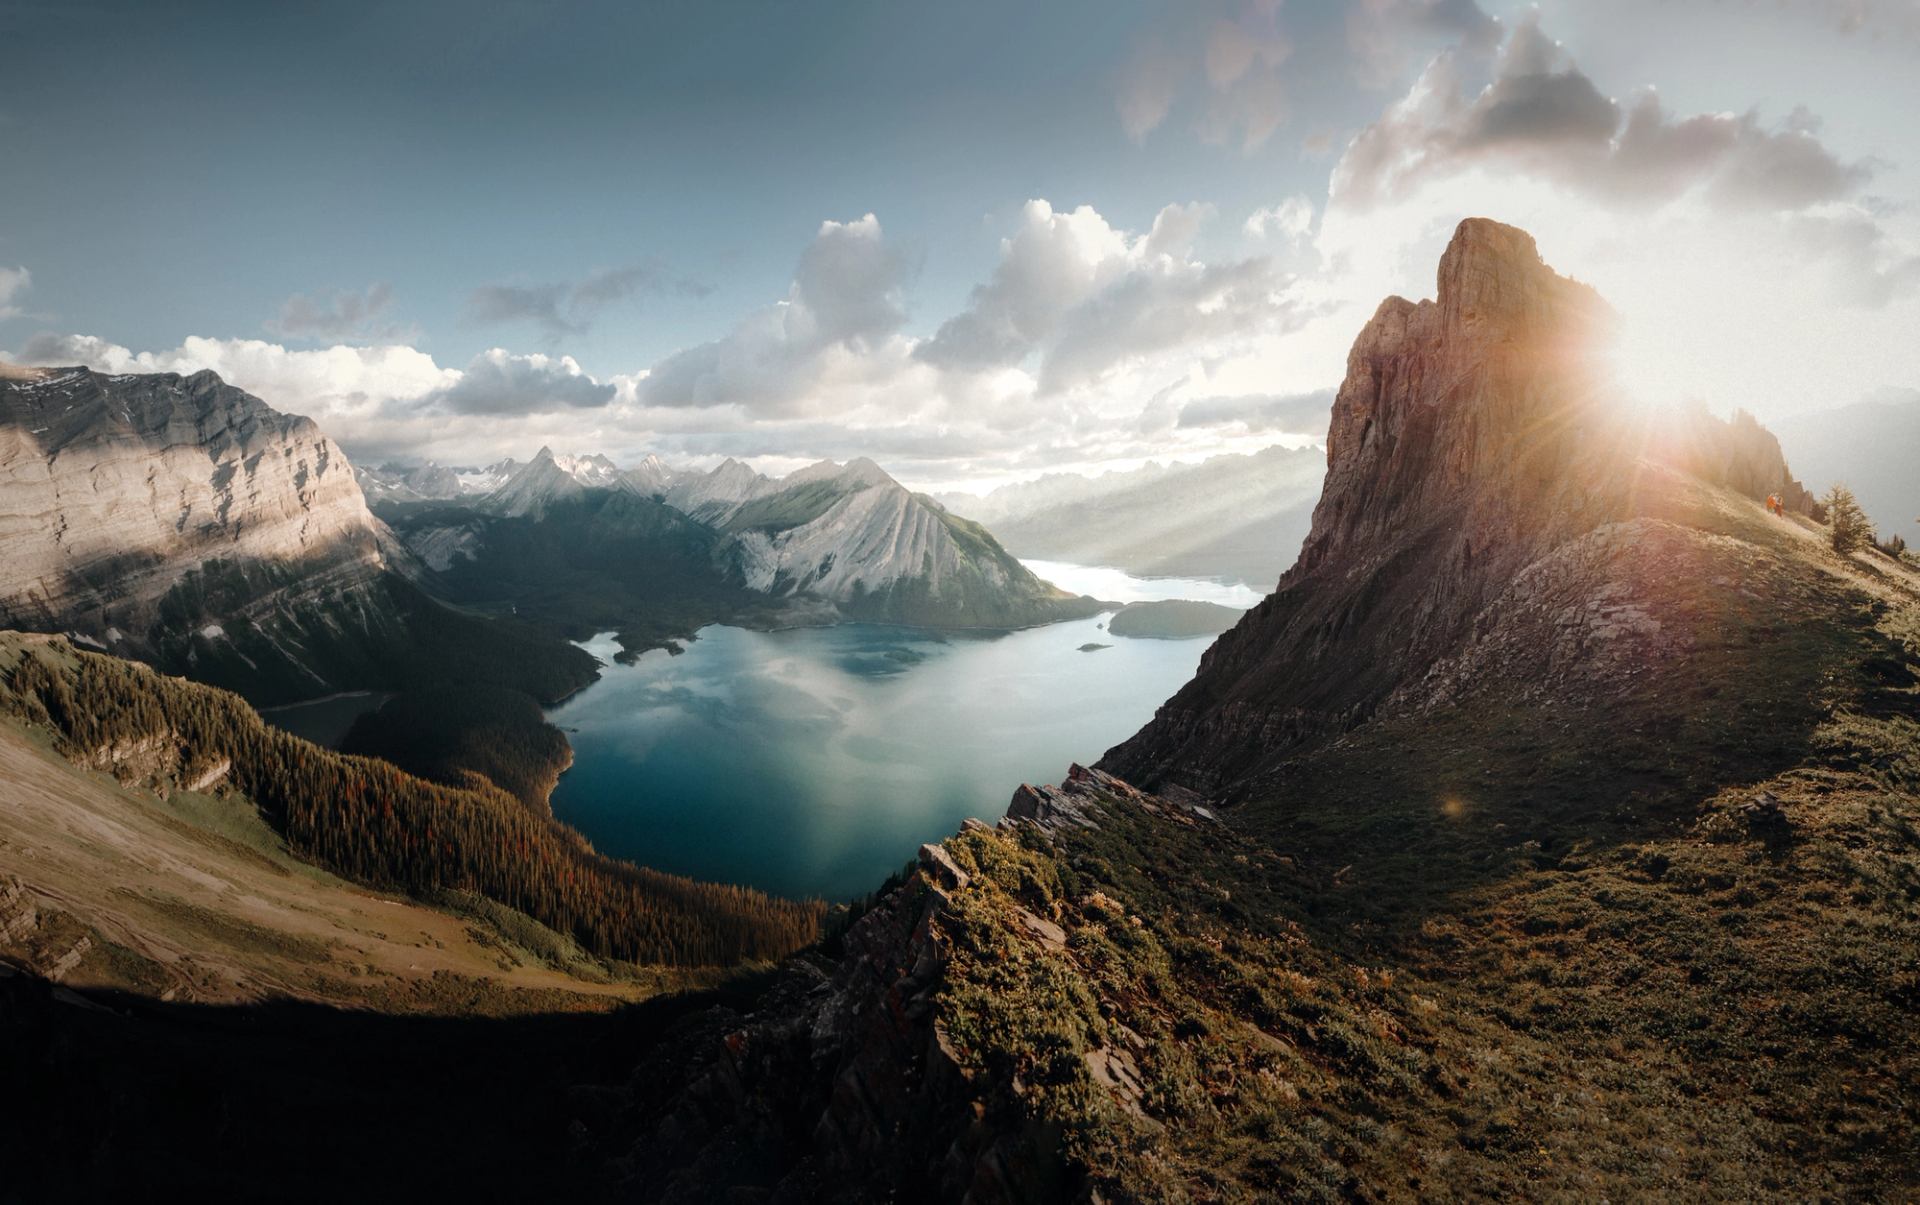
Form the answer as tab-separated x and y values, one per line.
1238	516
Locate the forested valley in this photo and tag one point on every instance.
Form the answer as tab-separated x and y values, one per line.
379	825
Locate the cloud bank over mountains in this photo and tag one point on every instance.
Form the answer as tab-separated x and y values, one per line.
1757	265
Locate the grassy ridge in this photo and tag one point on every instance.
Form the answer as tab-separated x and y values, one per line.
1709	1009
372	822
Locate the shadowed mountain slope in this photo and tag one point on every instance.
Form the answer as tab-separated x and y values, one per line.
367	821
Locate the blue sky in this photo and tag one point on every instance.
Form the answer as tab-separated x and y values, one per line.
458	230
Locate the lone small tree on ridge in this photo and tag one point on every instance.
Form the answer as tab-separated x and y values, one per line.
1847	525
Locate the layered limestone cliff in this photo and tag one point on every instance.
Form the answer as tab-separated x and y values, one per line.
114	488
181	521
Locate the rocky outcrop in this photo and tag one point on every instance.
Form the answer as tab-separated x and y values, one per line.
1474	434
841	1082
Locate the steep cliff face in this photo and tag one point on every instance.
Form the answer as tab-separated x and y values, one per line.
1473	434
181	520
115	488
178	520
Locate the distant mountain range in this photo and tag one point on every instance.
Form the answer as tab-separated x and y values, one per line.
431	482
655	551
184	522
1239	517
1873	447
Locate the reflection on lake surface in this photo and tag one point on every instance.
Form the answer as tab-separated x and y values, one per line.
814	762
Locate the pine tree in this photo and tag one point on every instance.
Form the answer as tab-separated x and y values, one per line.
1847	525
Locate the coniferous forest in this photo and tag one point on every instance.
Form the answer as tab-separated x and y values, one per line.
376	824
448	734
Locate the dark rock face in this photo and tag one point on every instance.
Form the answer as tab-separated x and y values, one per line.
1472	434
839	1085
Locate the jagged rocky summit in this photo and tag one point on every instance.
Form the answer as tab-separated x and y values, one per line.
829	541
1474	435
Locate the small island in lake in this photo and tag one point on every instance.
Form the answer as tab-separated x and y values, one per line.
1173	619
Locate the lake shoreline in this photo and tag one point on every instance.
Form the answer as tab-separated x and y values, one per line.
810	760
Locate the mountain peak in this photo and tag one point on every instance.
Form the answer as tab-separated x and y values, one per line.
860	468
1483	249
1492	283
1473	436
859	472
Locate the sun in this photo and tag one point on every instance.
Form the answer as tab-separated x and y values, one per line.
1656	366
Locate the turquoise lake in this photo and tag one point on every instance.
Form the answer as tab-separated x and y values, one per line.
814	762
